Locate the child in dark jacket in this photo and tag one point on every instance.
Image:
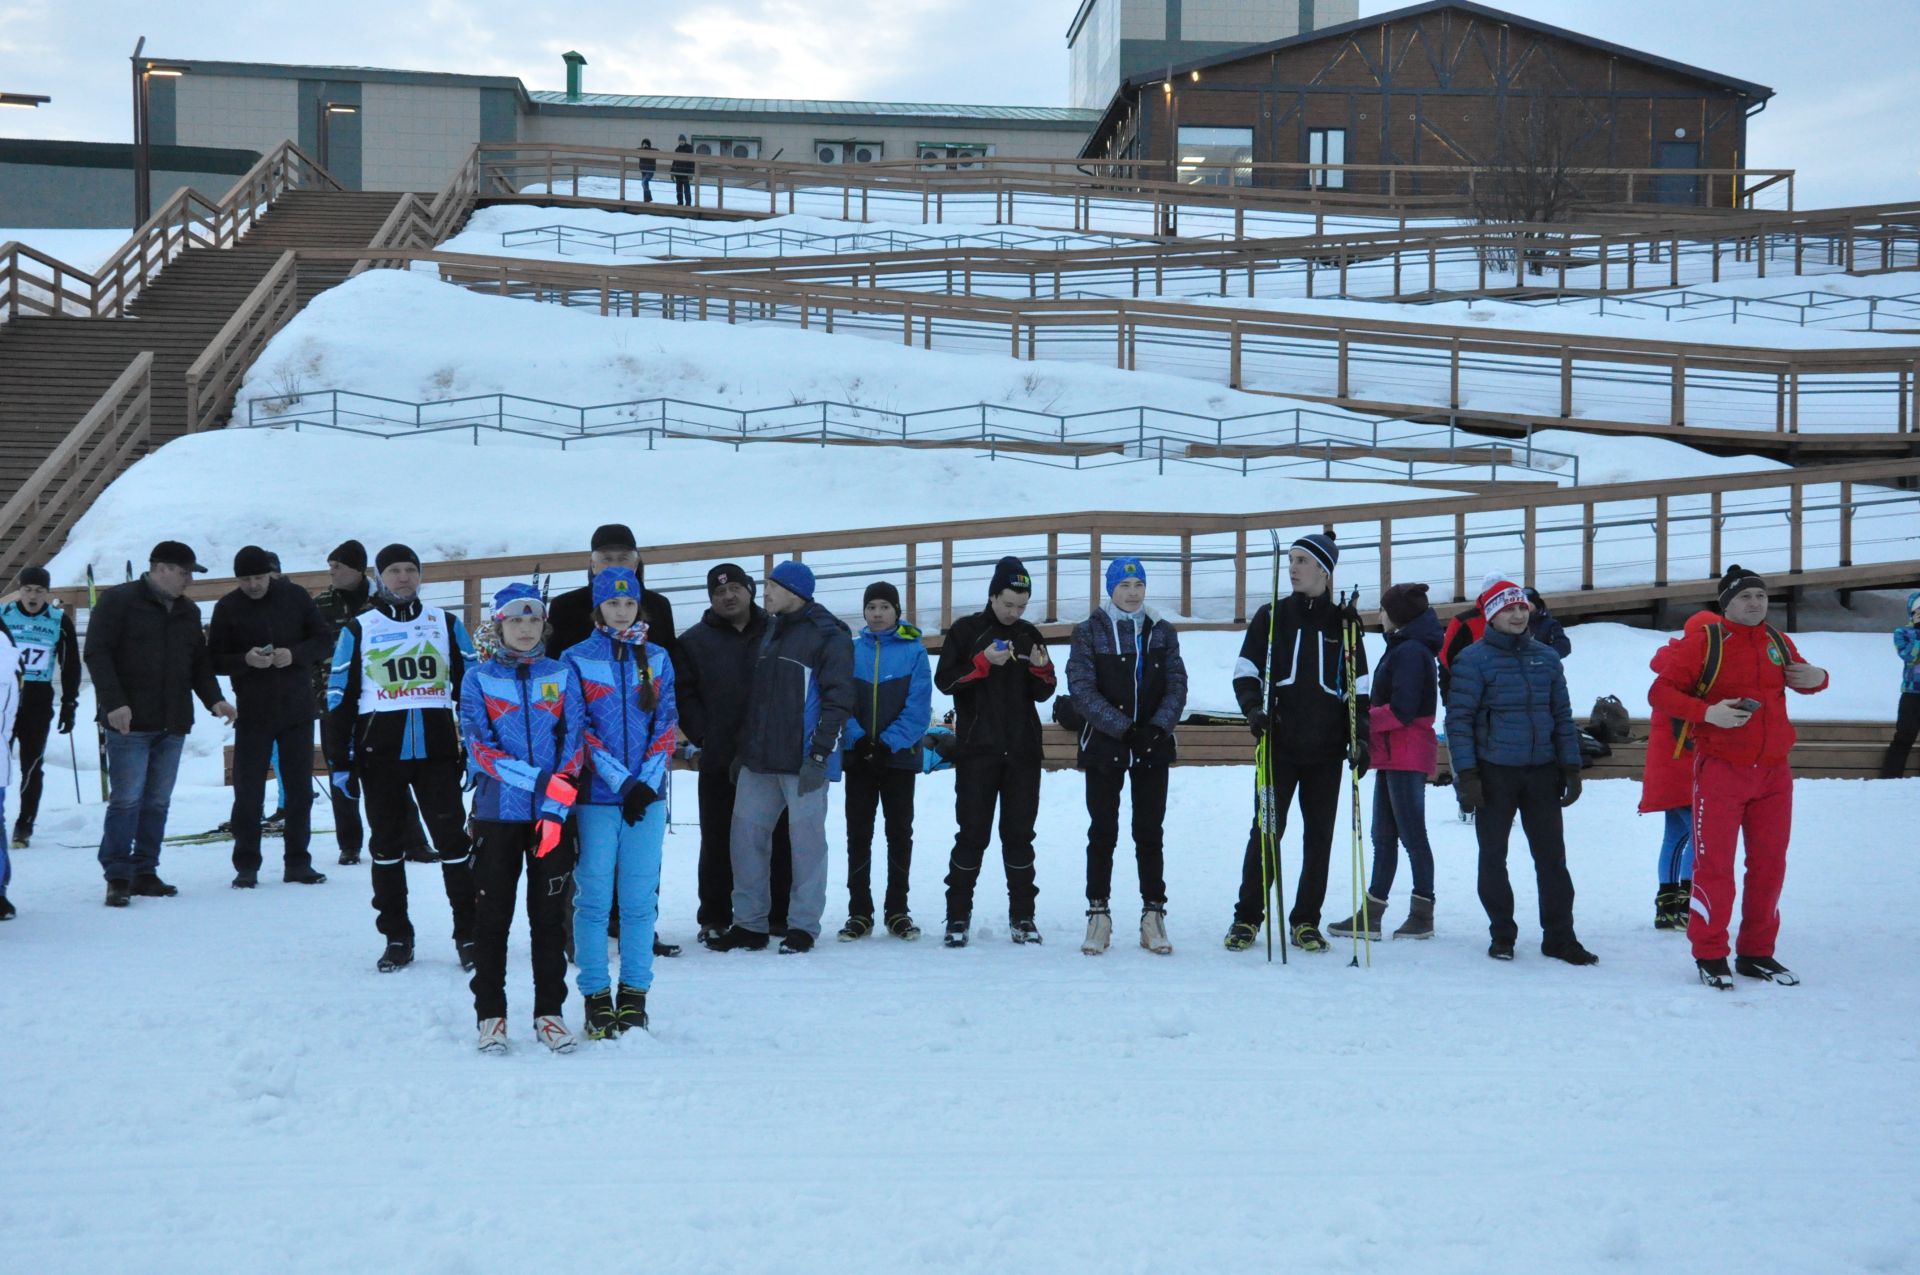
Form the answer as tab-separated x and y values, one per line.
521	716
1405	754
892	708
1514	748
1906	644
996	667
1130	684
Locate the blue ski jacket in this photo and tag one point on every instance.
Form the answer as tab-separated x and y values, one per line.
626	743
522	724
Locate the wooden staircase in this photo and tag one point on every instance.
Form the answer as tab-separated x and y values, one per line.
53	369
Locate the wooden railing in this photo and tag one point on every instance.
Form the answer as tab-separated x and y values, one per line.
416	224
1775	381
216	375
112	433
1691	523
32	283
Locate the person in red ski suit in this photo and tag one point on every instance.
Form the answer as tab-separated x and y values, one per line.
1735	715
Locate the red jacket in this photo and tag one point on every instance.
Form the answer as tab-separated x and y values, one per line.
1667	781
1749	669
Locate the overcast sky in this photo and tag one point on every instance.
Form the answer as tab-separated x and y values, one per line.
1846	70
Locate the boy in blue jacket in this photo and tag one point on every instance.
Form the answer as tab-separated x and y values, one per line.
520	713
1906	643
880	757
631	719
1514	749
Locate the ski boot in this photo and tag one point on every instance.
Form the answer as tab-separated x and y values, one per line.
1241	935
493	1036
856	928
1365	922
1670	908
1022	930
397	956
1153	930
665	951
22	835
901	926
1099	928
1309	939
551	1029
1766	969
1715	974
245	880
600	1015
274	825
956	933
710	936
632	1012
1419	922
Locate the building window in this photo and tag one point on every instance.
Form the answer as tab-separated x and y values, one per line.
1222	151
1327	146
728	147
953	150
847	152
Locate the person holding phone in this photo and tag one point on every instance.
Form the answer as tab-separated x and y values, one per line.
1726	686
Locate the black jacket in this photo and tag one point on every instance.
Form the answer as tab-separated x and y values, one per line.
418	734
994	706
1123	673
149	654
711	675
683	167
336	606
269	699
1307	700
570	619
802	693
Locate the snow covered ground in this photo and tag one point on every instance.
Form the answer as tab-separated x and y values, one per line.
221	1082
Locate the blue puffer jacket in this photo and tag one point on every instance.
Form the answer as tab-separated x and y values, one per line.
892	694
522	723
625	744
1508	706
1907	642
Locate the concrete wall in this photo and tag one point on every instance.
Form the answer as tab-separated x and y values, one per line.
413	137
793	141
228	110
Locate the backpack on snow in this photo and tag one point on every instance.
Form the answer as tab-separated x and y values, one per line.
1710	673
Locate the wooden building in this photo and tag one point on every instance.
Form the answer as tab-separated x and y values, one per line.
1449	82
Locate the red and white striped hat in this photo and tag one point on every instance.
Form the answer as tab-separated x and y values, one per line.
1497	593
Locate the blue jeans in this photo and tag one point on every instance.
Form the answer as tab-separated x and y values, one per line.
611	847
1400	818
141	766
1676	847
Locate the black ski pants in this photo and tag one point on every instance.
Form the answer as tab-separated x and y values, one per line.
1149	825
979	783
30	726
392	790
1534	793
499	851
1906	728
252	752
1318	786
716	855
871	787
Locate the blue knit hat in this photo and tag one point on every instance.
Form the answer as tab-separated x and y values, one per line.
795	577
518	599
615	582
1124	569
1321	548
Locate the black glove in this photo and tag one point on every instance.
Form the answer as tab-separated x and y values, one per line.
1257	723
633	805
813	775
66	719
867	749
1136	739
1569	785
1362	757
1467	784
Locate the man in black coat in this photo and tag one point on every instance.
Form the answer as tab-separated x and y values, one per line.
713	674
996	667
266	636
683	174
148	660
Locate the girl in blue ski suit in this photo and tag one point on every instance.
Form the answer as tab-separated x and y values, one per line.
631	718
521	715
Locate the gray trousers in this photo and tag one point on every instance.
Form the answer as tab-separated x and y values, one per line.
757	802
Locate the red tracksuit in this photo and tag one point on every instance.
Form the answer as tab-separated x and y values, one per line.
1741	784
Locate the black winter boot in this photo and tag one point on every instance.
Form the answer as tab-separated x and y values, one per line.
600	1015
632	1012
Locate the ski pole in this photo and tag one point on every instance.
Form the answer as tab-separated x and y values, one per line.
1276	892
73	753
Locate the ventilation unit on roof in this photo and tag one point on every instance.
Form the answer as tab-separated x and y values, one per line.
847	152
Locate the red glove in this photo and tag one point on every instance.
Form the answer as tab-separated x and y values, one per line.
560	789
549	830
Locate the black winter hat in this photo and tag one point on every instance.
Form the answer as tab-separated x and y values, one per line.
1738	580
1322	547
395	553
35	575
350	553
1403	603
883	590
252	560
729	573
175	554
612	535
1010	573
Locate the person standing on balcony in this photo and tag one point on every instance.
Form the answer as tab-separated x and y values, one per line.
43	631
147	656
265	637
683	174
648	167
